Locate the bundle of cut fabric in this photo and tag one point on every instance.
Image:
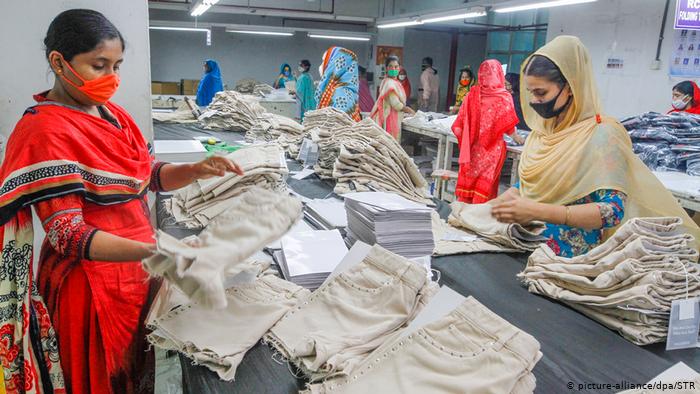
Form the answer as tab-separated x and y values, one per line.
164	102
262	89
327	118
232	111
199	203
271	127
199	267
183	114
628	282
477	218
246	85
666	142
219	338
352	314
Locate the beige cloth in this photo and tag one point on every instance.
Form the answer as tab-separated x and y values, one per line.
478	219
183	114
451	246
471	350
352	314
587	151
232	111
252	221
218	339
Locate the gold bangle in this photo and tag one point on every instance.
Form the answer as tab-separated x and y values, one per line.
566	218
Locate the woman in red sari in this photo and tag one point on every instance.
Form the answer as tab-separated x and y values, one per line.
686	98
487	112
83	164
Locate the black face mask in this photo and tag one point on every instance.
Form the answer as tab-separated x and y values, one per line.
546	110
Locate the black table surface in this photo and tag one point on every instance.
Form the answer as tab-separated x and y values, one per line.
575	348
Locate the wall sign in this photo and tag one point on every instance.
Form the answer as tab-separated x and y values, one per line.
687	14
685	54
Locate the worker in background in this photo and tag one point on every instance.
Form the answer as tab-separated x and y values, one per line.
305	89
211	83
485	115
82	164
430	86
513	87
403	79
686	98
366	99
339	82
391	104
284	77
464	83
578	172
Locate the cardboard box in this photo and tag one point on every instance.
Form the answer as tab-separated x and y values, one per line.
189	86
165	87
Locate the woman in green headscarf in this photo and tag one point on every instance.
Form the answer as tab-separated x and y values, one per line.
305	89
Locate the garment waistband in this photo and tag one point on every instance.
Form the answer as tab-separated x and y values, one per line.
409	272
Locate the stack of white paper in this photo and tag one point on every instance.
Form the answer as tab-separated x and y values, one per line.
328	214
307	258
186	151
397	224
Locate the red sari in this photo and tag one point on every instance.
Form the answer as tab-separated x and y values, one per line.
81	173
695	109
487	112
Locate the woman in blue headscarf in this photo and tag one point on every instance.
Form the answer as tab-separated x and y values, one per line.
339	86
305	89
210	84
284	77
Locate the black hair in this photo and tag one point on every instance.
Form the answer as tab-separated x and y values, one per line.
390	59
685	87
540	66
305	63
428	61
467	70
79	31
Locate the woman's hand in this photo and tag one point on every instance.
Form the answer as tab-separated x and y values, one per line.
214	166
408	110
515	209
518	139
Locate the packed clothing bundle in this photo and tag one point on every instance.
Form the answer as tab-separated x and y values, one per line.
183	114
666	142
628	282
196	205
246	85
262	89
281	129
231	111
431	120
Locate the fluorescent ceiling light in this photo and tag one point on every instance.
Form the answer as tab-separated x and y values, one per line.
400	24
177	28
202	7
467	15
262	33
544	4
339	37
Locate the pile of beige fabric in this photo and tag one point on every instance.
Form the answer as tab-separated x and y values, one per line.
232	111
196	205
281	129
183	114
319	125
627	283
246	86
262	89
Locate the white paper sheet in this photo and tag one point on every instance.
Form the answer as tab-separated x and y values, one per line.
311	252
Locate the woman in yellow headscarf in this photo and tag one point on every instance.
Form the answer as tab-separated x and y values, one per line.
578	172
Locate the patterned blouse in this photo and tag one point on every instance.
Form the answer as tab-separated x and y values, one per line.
570	241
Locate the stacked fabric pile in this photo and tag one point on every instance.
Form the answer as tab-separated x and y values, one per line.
196	205
246	85
666	142
262	89
183	114
231	111
271	127
627	283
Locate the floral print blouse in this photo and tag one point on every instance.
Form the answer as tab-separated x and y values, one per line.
570	241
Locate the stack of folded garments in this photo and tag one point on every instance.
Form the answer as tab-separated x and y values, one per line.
262	89
246	85
183	114
454	345
199	267
219	338
264	166
281	129
451	240
352	314
627	283
327	118
397	224
477	218
231	111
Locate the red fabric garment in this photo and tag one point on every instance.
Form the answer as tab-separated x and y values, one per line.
485	115
695	109
366	99
388	121
63	161
405	83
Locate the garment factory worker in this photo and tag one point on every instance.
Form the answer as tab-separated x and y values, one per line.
284	77
82	163
485	115
578	172
339	82
366	99
464	84
513	87
211	83
391	104
686	98
430	86
305	89
403	78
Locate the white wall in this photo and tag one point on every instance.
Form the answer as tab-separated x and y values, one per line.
24	71
177	55
629	28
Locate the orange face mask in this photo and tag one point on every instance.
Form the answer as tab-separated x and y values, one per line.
99	90
464	82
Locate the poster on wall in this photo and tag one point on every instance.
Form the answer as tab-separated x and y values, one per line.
384	52
687	15
685	54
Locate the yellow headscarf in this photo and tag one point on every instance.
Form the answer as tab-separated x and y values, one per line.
587	151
